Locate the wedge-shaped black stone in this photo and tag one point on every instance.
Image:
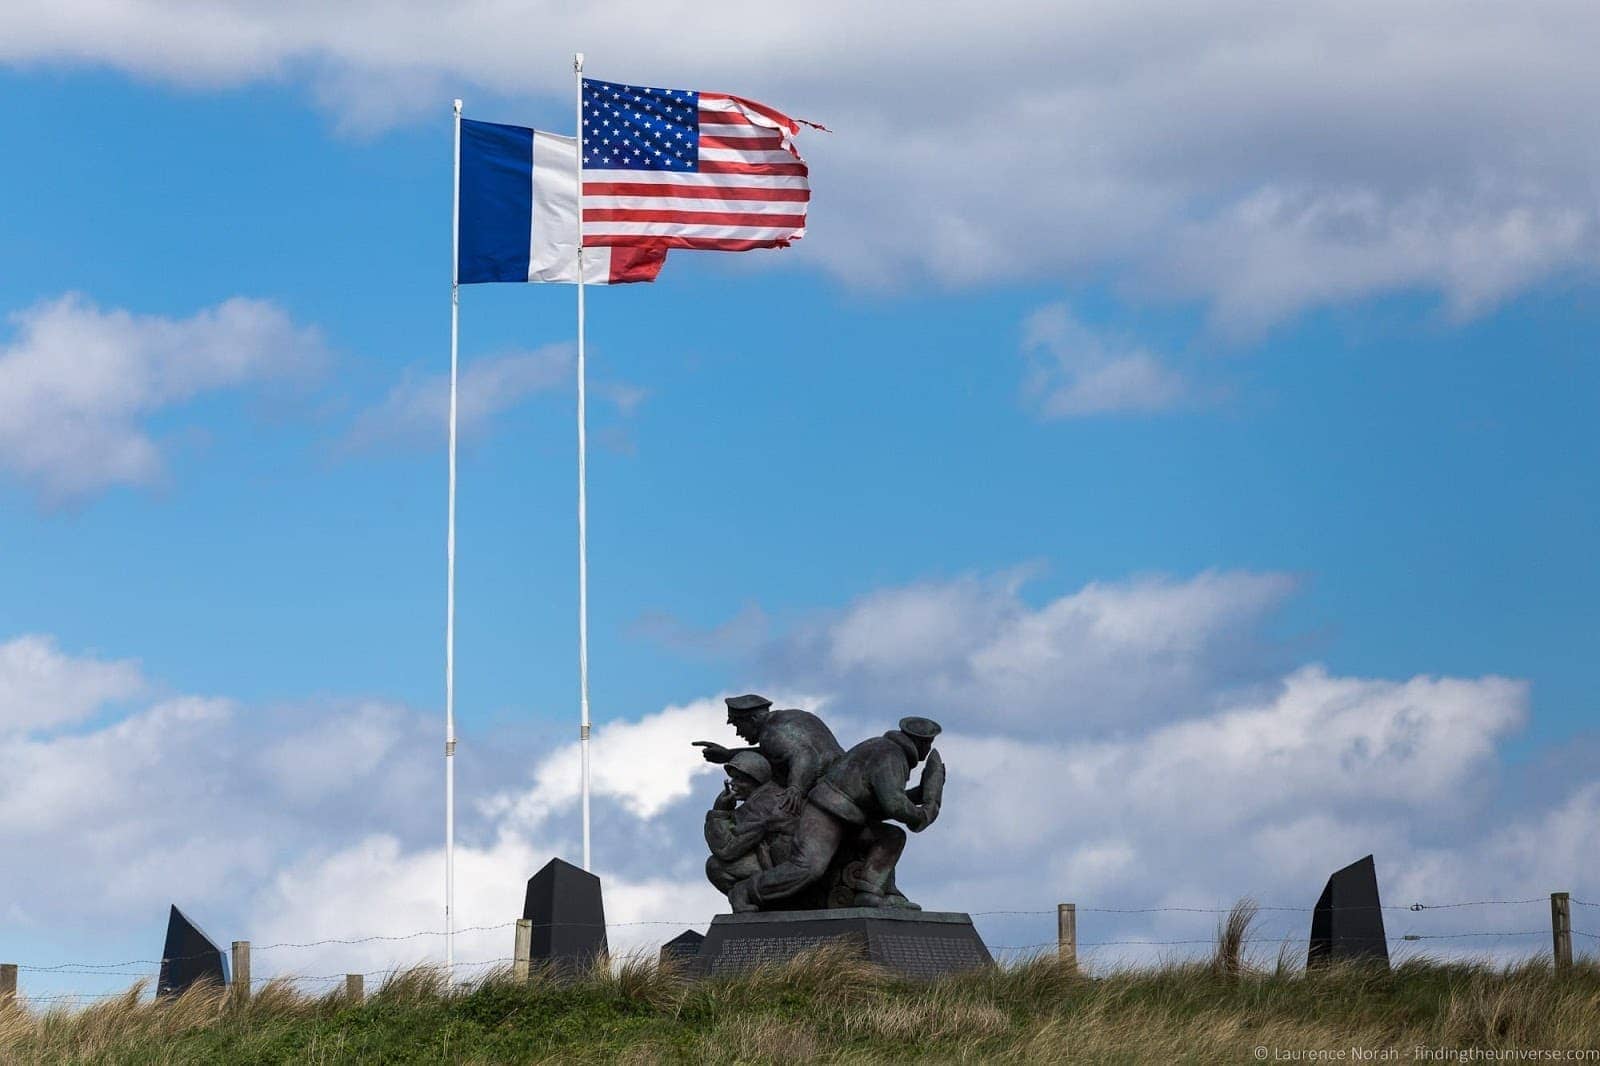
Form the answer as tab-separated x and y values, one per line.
189	957
683	948
1347	924
568	916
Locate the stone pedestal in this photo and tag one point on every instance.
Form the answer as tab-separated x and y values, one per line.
911	943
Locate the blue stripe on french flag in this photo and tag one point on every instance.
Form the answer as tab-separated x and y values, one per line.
519	208
496	202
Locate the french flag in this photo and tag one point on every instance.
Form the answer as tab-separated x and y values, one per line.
519	213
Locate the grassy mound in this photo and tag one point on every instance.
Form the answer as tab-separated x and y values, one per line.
830	1008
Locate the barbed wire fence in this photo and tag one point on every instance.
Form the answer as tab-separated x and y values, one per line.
1066	945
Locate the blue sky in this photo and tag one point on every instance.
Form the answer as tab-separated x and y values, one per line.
1401	438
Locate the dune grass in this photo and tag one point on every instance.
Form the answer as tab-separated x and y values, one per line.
828	1007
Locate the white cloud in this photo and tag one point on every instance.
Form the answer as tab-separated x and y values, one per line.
308	821
41	687
182	797
1264	799
1128	744
417	410
627	398
1075	371
1260	157
78	384
1295	246
646	765
1107	655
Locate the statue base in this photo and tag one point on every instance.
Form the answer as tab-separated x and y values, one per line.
910	943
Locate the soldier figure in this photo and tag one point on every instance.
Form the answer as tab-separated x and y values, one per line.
797	744
749	827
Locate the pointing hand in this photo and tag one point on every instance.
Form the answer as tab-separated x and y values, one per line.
713	751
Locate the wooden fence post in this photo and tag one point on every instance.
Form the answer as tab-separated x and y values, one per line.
1067	934
241	971
355	987
1561	931
8	983
522	954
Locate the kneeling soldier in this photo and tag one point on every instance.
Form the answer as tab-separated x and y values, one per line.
750	826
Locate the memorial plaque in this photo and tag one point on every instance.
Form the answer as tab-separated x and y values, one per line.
1347	924
568	916
188	958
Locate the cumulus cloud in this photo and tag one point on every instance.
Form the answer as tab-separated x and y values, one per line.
79	385
126	796
416	410
645	764
1265	798
1262	158
304	821
1127	744
40	686
1109	655
1075	371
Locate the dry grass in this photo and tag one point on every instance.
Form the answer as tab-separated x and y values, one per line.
829	1007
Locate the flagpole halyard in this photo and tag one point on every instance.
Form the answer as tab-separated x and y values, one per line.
450	578
583	490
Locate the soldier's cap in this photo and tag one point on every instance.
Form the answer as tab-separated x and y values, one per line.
748	704
752	764
920	728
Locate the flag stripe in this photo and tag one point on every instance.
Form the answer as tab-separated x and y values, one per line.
691	203
727	116
741	144
692	230
496	207
675	190
724	218
761	169
721	129
705	244
743	155
719	179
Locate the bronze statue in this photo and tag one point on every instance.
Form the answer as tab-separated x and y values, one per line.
817	832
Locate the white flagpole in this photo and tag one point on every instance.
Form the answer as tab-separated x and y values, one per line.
583	491
450	579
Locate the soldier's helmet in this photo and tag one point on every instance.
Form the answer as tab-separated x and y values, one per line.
924	729
753	765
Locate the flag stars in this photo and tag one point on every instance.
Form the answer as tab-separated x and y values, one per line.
644	129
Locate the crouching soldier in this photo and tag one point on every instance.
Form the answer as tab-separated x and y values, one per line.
750	826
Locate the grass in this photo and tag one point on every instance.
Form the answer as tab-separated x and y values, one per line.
829	1007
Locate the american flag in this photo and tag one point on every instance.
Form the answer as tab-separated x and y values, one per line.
674	168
